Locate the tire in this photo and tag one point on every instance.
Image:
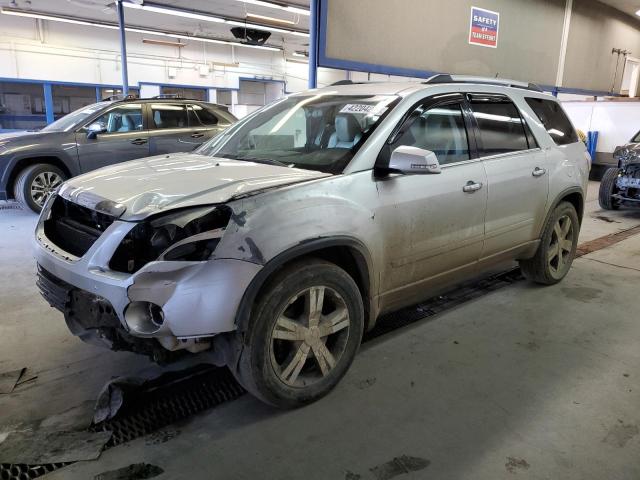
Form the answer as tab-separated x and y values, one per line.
545	267
277	361
607	189
35	183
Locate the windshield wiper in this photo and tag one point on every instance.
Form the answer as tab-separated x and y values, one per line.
266	161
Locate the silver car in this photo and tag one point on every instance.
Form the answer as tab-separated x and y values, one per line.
277	244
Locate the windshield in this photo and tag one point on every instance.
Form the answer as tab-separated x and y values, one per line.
315	132
75	118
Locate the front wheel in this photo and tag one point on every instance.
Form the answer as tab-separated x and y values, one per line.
36	183
304	333
608	188
557	249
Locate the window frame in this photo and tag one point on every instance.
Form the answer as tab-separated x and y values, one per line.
152	123
428	103
525	126
92	119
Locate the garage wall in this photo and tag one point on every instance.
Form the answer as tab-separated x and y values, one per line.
432	36
595	30
81	54
427	36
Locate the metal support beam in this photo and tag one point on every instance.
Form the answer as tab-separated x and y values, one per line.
314	17
123	49
48	102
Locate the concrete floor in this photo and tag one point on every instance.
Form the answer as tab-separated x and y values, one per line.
528	382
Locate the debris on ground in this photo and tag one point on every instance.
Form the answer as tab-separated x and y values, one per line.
401	465
50	446
136	471
9	380
111	397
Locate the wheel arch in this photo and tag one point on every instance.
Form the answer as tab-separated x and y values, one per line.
574	196
25	162
346	252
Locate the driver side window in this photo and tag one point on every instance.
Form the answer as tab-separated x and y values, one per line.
440	129
127	118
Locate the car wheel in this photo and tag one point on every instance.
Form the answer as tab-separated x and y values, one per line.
304	334
608	188
557	249
35	184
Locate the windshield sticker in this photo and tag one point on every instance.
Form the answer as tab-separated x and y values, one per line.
357	108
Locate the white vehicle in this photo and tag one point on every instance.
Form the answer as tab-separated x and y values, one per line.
281	241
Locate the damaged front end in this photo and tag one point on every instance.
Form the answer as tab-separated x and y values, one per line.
152	287
627	185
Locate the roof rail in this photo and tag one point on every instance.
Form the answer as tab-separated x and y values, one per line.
118	97
446	78
170	95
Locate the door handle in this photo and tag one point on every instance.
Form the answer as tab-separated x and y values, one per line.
139	141
471	187
197	135
538	172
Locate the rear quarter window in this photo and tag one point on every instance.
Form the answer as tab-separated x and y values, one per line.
555	121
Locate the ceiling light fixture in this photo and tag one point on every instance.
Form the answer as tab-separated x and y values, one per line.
300	54
288	8
55	18
638	13
265	18
208	18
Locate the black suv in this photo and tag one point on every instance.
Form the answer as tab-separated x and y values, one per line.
34	163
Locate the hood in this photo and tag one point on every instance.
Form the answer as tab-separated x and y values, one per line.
629	153
155	184
16	139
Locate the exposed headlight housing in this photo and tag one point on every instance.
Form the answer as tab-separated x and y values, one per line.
190	235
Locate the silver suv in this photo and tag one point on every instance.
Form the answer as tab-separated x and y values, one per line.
277	244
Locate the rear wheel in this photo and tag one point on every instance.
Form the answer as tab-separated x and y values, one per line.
303	336
36	183
557	249
608	188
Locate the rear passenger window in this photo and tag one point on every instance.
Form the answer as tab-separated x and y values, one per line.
502	130
554	119
203	116
166	115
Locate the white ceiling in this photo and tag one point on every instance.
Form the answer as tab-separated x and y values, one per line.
104	11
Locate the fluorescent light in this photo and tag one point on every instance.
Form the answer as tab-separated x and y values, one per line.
638	13
144	31
300	54
209	18
174	11
287	8
270	19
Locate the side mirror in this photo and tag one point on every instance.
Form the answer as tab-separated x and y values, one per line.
414	160
94	129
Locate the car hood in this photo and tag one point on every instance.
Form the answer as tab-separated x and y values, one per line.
155	184
11	140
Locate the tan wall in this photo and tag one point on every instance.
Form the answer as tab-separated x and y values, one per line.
432	35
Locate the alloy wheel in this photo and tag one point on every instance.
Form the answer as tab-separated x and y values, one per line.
309	336
561	246
43	186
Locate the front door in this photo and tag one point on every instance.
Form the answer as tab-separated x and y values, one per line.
517	173
124	137
434	223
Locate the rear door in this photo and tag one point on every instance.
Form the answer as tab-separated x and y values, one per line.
170	130
125	137
517	174
205	123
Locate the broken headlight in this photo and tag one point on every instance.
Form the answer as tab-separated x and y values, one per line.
186	235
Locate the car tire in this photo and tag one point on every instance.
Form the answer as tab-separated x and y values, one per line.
35	183
285	357
607	189
557	249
